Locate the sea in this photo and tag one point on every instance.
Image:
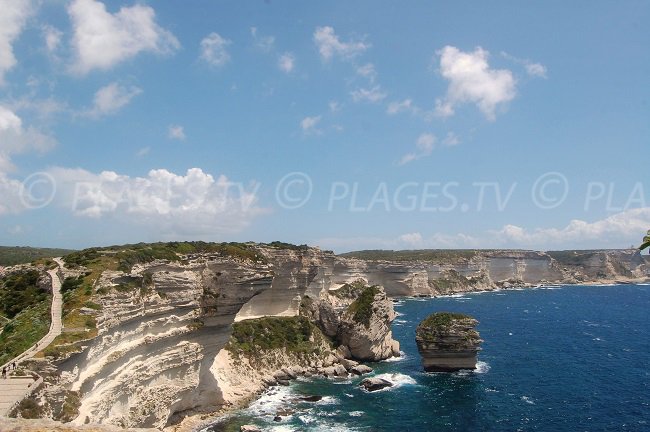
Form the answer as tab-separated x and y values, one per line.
559	358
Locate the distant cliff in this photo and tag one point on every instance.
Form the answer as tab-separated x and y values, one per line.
147	326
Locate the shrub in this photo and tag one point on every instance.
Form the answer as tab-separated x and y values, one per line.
361	308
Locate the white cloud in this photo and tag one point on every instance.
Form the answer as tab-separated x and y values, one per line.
13	16
176	132
334	106
472	81
536	69
52	38
372	95
286	62
400	106
214	50
167	203
143	151
412	240
16	139
111	98
451	140
424	145
102	40
532	68
308	124
329	45
367	71
265	43
618	230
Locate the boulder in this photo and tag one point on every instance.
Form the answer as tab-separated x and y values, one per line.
447	342
361	370
374	384
249	428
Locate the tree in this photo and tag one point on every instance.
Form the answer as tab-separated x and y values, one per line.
646	241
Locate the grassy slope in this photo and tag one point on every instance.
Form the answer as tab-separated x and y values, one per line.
25	313
12	255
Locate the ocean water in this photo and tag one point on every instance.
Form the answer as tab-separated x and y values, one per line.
574	358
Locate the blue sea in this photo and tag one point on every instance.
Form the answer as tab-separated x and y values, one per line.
572	358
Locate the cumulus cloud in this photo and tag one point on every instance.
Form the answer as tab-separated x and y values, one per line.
329	45
618	230
471	80
195	203
309	124
214	50
286	62
102	40
372	95
176	132
13	16
423	147
400	106
15	138
111	98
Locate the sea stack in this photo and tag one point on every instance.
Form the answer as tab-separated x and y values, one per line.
448	342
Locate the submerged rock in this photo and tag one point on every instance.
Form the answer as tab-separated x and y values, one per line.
448	342
249	428
374	384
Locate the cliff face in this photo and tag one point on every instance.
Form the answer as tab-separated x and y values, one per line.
155	347
162	326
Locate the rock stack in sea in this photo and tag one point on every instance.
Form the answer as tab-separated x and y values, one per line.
448	342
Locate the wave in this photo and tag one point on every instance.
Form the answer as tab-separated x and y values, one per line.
398	379
402	357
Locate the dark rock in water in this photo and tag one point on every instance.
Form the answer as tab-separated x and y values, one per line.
361	370
249	428
283	382
277	419
448	342
374	384
311	398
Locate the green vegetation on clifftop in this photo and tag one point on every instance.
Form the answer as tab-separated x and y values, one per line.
361	308
293	333
12	255
436	255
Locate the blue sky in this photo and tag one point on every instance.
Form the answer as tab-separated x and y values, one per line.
347	125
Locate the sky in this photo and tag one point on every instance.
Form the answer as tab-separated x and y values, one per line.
344	125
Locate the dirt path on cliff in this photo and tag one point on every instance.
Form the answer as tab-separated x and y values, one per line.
13	389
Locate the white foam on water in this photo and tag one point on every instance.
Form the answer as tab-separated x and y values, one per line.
398	314
481	367
271	400
398	379
327	400
527	400
402	357
356	413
